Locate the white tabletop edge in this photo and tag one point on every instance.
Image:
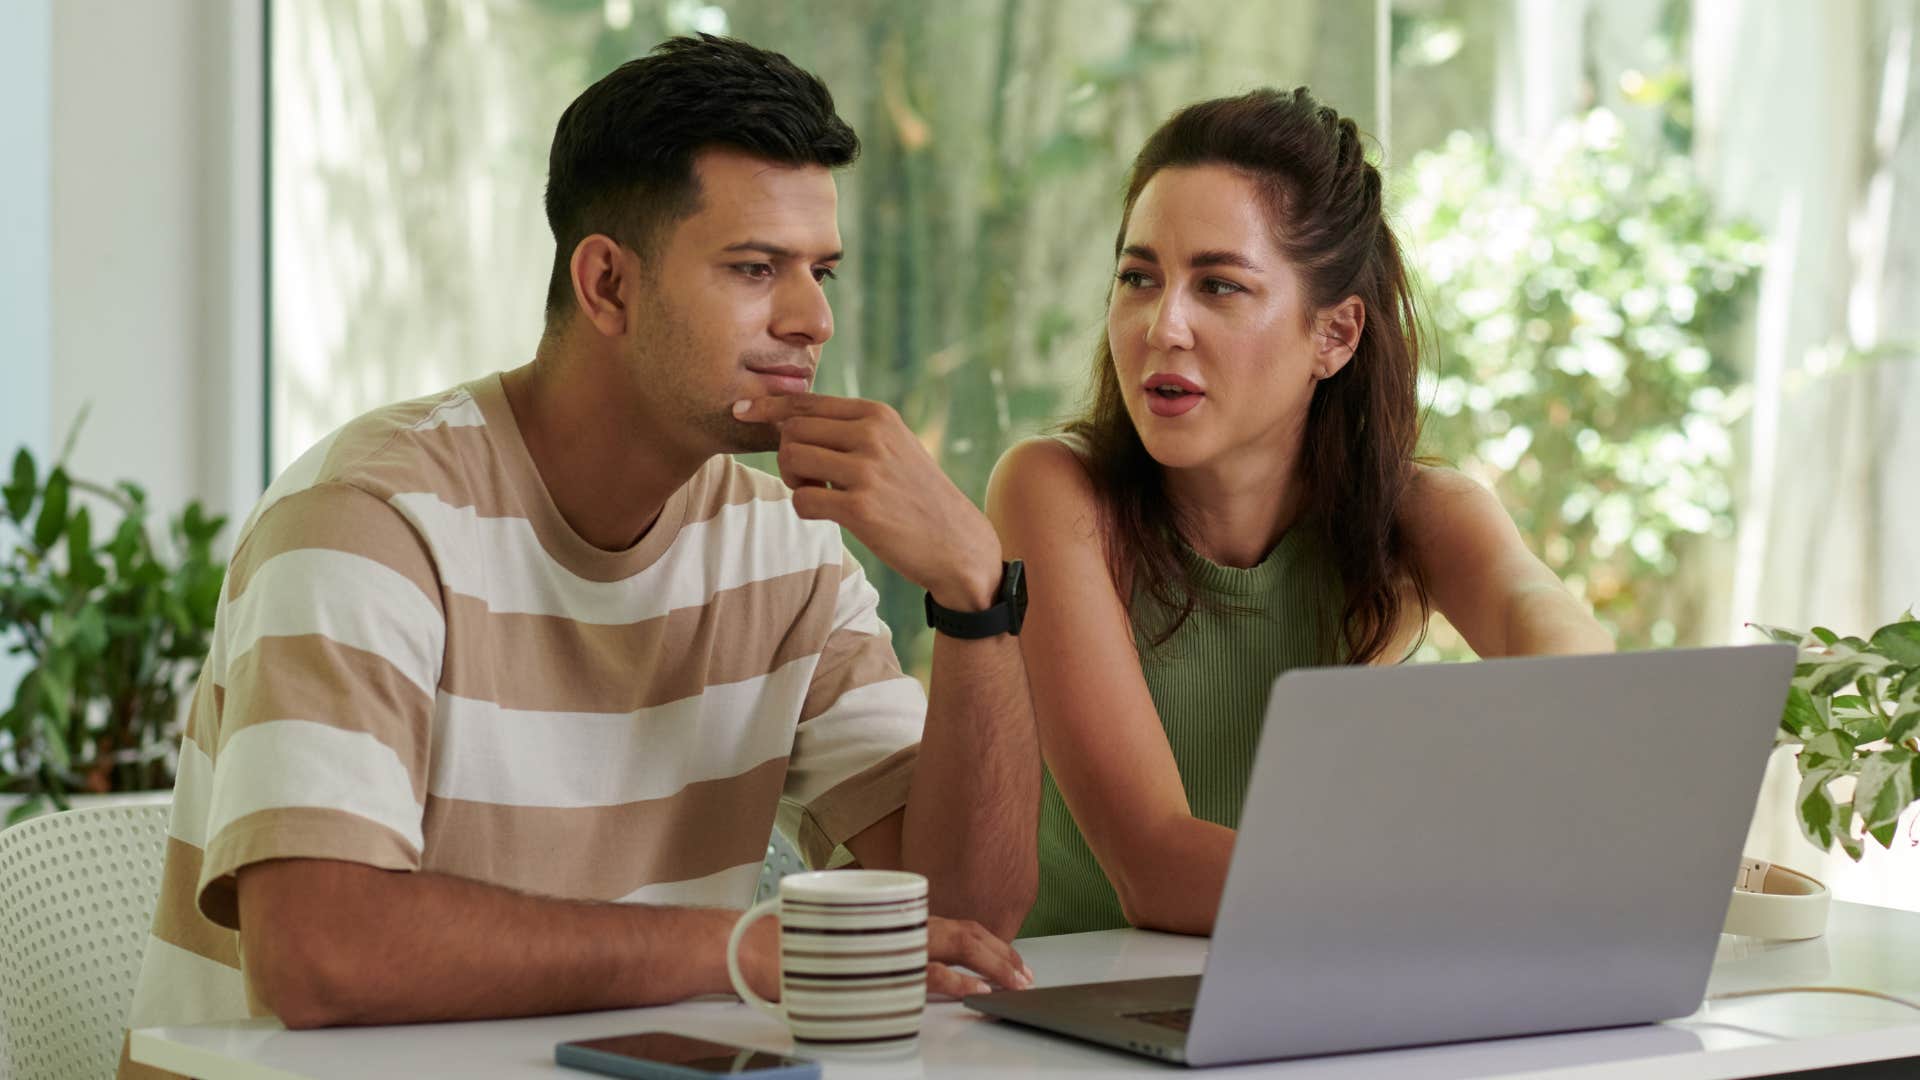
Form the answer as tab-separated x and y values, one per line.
147	1047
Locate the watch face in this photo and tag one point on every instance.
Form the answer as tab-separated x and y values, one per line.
1013	592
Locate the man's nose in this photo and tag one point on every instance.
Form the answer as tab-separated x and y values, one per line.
801	314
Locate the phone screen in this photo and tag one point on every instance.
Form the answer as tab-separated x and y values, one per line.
689	1053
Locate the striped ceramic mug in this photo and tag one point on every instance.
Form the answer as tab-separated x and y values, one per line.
853	956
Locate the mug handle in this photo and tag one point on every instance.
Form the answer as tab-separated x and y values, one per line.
739	980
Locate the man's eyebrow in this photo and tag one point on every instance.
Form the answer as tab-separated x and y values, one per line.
779	252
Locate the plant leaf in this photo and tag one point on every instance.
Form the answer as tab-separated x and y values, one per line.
1899	642
1885	788
1780	633
33	806
1800	717
1826	636
1834	744
53	511
1816	811
1865	727
1843	835
26	484
54	742
1835	675
83	568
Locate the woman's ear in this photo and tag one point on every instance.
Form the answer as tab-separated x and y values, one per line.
1336	334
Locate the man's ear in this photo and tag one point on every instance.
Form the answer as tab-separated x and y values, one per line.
1336	334
601	270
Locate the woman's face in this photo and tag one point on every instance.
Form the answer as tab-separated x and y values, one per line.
1208	325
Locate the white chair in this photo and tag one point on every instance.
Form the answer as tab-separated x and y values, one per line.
782	859
77	893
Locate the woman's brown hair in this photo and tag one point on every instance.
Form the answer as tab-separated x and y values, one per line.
1323	199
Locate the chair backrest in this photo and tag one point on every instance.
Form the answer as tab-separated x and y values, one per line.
77	893
783	858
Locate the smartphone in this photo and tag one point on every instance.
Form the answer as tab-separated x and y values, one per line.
662	1055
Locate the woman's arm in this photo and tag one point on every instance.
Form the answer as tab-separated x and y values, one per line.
1502	598
1099	732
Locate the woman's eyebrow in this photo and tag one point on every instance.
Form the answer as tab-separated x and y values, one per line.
1214	257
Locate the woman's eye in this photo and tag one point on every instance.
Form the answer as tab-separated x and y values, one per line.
1219	287
1133	279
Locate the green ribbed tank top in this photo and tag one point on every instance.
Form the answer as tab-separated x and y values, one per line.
1209	684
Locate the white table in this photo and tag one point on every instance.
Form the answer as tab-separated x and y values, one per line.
1877	948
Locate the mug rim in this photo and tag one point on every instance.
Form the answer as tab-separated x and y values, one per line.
853	885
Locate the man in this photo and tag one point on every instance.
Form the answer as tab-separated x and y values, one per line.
491	659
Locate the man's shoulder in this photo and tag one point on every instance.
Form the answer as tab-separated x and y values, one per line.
426	444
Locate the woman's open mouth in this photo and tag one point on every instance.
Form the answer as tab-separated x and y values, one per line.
1172	395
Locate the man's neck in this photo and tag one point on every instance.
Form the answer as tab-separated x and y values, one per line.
608	475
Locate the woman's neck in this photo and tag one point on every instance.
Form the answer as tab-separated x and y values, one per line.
1236	510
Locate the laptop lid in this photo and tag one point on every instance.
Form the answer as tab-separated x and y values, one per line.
1442	852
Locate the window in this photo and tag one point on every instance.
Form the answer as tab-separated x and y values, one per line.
1667	248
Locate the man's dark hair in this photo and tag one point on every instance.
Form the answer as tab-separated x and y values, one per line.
622	158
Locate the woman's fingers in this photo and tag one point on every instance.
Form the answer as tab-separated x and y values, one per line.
968	944
949	982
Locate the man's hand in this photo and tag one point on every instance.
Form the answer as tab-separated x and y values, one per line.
952	944
855	463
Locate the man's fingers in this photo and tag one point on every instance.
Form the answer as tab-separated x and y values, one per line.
778	407
947	982
848	435
818	465
960	941
815	503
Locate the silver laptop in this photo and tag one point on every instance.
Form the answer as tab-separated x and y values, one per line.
1446	852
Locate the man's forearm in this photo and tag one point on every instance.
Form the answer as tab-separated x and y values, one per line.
972	818
329	943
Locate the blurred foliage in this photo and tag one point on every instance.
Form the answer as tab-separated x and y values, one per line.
114	628
1579	302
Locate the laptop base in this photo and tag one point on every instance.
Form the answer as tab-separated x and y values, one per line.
1140	1016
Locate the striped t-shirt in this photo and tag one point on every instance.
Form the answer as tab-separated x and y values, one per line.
418	665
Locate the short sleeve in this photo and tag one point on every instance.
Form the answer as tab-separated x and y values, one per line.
860	726
327	651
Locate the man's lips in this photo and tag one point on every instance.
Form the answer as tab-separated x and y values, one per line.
784	378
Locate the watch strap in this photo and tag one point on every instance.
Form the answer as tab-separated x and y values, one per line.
1002	618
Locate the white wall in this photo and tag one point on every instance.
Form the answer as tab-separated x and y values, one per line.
26	30
155	237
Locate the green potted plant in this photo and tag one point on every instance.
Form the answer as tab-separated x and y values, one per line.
113	630
1854	713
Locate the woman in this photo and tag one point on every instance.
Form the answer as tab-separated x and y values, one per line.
1240	498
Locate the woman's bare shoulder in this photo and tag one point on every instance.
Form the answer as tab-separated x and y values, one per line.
1040	471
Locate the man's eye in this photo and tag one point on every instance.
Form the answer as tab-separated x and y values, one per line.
824	274
755	270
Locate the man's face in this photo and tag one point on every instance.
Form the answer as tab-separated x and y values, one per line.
732	305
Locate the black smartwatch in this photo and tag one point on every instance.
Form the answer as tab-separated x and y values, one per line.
1004	617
